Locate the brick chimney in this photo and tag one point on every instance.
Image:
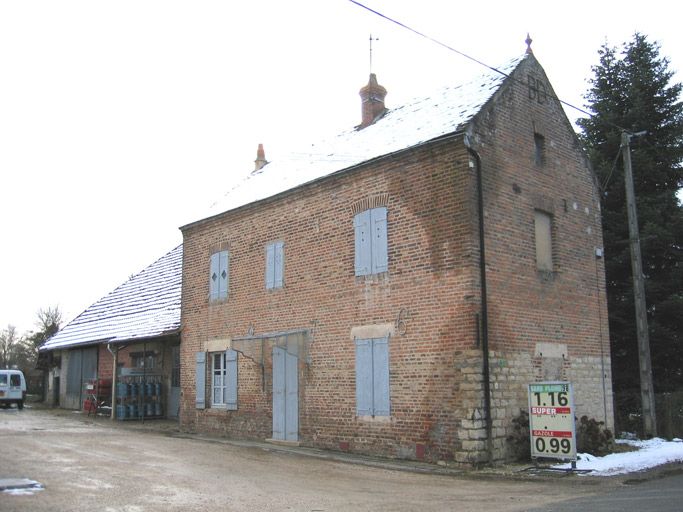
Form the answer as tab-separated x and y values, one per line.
372	99
260	161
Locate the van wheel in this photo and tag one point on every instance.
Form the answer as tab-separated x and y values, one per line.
20	404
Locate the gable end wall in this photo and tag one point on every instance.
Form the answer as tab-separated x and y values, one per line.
543	325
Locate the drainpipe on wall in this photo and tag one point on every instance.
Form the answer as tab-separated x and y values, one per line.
144	380
486	373
113	380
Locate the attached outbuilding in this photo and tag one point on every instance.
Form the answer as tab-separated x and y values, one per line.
124	350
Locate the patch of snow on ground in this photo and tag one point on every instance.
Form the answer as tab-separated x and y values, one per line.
28	490
650	453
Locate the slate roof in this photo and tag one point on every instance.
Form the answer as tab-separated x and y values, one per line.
419	121
145	306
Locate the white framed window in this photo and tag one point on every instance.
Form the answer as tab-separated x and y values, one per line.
275	265
219	388
219	275
370	232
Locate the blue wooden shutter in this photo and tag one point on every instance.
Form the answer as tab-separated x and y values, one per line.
364	375
278	264
278	393
363	258
380	380
214	276
224	274
231	379
291	397
380	259
200	381
270	266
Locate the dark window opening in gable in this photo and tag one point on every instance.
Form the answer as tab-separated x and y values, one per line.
539	149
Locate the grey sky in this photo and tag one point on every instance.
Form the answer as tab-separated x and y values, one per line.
119	122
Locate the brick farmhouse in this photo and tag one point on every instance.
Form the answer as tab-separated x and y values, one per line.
394	292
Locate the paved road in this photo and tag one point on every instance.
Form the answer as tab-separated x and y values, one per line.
663	494
89	465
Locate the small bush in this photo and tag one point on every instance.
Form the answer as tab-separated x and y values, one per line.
592	437
518	442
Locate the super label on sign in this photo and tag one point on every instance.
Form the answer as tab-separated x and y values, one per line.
551	420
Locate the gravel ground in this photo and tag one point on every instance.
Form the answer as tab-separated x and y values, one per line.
98	465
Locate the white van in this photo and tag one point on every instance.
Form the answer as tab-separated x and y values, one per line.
12	388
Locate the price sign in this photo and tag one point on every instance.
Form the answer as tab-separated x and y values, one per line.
551	420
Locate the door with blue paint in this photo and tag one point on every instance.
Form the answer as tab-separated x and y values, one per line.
285	395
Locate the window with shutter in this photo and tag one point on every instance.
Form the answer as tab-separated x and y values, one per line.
219	274
279	264
371	241
275	259
372	377
218	392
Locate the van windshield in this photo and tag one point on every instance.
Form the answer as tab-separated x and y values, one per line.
3	379
14	380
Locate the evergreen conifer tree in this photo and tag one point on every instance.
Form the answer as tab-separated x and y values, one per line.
632	90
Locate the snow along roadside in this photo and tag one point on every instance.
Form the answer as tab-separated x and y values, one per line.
650	453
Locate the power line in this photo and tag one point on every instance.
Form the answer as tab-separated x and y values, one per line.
463	54
605	182
426	36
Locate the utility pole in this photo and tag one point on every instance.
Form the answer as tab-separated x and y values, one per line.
647	393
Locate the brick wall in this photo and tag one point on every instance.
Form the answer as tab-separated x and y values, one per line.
430	295
563	312
105	363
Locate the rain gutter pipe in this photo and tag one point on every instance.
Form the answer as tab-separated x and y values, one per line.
113	380
486	372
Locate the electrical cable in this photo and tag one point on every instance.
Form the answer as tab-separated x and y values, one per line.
605	182
426	37
450	48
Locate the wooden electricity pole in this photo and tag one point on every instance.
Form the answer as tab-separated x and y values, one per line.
647	393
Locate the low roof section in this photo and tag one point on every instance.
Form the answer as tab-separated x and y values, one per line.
144	307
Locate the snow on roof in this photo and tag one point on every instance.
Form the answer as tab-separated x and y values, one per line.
419	121
145	306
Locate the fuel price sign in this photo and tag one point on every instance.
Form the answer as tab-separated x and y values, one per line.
551	420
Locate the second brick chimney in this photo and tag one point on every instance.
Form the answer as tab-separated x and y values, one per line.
260	161
372	99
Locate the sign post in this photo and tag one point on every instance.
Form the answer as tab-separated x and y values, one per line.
551	421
